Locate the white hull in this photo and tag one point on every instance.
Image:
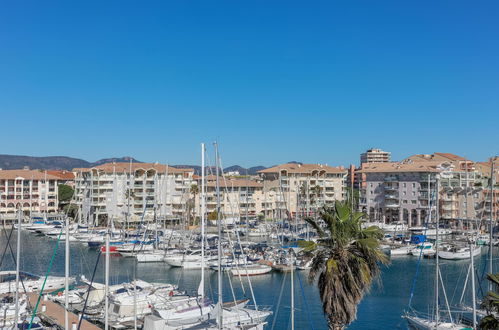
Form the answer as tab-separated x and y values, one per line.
419	323
32	283
401	251
460	254
150	257
251	270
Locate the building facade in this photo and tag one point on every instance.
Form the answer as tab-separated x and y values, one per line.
375	156
401	191
32	191
294	188
130	191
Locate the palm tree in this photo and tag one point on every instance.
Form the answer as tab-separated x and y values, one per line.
346	260
491	304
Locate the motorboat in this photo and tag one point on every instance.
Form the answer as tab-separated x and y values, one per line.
426	249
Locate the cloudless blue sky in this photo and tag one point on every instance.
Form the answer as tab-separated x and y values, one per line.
273	81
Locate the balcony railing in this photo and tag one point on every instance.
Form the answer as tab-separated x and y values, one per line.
392	205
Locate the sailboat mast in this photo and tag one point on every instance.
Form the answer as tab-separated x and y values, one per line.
106	275
473	298
66	277
18	262
437	270
220	299
203	210
292	291
491	197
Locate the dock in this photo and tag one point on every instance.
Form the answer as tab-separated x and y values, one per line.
53	313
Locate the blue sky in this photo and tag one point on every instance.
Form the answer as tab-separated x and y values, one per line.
272	81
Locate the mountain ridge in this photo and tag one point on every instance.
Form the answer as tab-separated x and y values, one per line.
12	162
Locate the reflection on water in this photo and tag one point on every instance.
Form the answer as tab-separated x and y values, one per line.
381	309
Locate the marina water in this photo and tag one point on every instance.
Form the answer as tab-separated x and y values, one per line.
382	308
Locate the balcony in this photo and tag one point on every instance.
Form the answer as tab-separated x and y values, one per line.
391	196
423	195
391	187
392	205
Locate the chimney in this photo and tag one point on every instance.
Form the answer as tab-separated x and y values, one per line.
26	168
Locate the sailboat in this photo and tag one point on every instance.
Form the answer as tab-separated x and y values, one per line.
186	311
237	316
435	322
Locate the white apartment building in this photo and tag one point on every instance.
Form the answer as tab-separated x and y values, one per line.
301	188
130	191
33	191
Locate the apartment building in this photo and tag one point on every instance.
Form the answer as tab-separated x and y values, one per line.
33	191
400	191
239	197
291	188
130	191
375	156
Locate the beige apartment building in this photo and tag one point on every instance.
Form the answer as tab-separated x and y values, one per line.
33	191
239	197
130	191
375	156
301	188
401	191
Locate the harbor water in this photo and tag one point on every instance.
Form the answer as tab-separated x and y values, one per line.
382	308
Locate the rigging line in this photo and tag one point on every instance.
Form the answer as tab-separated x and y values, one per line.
480	287
243	255
88	291
305	300
445	295
8	240
14	258
45	280
279	301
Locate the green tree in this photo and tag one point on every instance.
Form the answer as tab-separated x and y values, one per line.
71	210
346	260
213	215
129	194
191	204
491	304
65	193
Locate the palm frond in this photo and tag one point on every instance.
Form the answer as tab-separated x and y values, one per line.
316	226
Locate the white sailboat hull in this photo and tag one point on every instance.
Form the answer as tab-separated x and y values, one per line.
419	323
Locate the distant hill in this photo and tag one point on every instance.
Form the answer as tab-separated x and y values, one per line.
11	162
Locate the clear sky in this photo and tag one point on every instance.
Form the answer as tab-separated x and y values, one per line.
273	81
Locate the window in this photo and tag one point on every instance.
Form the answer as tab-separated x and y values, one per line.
414	202
404	193
413	193
414	185
404	185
